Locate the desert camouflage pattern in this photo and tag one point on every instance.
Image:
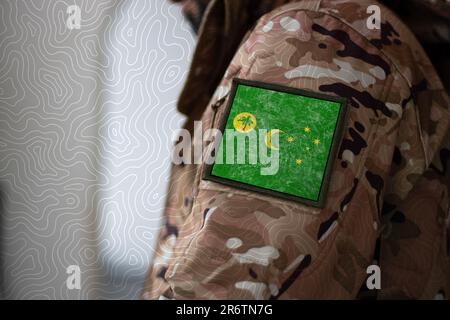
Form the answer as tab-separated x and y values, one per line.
193	11
389	184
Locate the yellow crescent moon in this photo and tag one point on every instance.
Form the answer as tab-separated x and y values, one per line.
268	138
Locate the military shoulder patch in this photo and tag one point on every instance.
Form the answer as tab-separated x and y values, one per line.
278	140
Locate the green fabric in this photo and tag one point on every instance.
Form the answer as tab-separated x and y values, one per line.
302	162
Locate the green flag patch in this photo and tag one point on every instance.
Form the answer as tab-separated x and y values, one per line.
302	129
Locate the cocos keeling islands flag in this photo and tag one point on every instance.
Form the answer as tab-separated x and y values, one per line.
308	126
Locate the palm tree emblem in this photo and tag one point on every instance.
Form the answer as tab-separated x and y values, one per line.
244	122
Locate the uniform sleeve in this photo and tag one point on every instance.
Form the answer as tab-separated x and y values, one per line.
238	244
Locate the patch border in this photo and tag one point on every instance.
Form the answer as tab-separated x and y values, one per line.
334	147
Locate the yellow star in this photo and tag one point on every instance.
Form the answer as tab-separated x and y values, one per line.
290	139
298	162
307	130
316	141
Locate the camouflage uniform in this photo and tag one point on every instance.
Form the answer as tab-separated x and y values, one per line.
390	180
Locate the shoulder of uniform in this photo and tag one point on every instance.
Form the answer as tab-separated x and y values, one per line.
393	39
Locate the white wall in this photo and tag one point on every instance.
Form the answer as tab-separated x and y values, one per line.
148	51
85	119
